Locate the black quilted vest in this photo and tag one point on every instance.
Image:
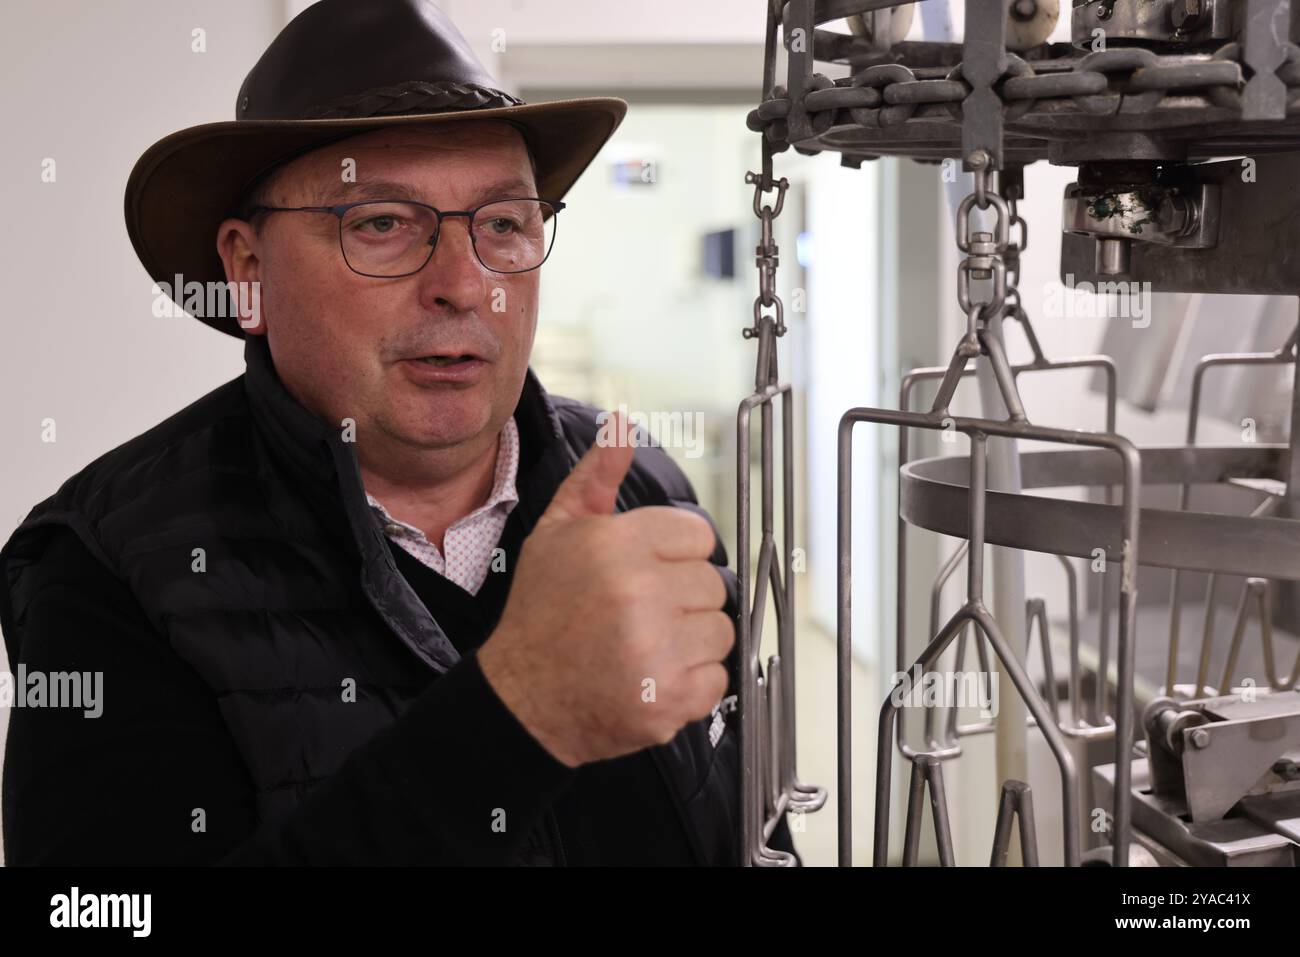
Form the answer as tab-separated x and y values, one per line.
301	589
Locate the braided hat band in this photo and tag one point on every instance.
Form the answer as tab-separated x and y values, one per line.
415	96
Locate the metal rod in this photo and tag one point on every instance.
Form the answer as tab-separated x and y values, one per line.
1283	356
844	642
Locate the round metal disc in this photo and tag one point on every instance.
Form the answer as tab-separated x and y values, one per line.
896	21
1027	34
934	495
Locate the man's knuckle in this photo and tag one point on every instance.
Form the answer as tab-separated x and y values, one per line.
717	681
703	537
725	630
716	586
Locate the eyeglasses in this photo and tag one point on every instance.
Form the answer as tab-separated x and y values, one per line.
388	239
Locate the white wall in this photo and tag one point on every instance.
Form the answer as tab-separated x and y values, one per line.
843	318
82	346
91	86
626	279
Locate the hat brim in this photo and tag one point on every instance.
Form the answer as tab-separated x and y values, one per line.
184	185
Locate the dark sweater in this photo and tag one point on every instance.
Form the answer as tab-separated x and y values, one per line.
122	788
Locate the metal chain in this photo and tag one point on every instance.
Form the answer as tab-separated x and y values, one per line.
766	254
1100	83
983	253
1013	308
985	259
1014	249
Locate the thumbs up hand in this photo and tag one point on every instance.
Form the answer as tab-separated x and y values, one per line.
613	635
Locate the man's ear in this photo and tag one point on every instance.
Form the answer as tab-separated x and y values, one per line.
236	245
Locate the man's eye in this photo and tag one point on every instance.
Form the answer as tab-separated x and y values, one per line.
502	226
380	225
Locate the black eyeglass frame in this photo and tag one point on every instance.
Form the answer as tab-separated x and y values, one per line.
341	209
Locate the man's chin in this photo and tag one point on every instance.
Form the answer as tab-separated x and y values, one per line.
445	425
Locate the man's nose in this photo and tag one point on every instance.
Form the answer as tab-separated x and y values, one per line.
454	274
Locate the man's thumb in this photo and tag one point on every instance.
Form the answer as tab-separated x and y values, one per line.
592	487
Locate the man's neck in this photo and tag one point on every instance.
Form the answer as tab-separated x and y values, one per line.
434	499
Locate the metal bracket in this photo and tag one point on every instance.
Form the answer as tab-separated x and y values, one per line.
1259	214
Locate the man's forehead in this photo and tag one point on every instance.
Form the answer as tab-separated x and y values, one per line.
410	153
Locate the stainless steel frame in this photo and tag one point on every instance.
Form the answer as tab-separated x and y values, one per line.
994	111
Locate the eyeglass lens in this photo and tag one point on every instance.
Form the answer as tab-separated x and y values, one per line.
392	238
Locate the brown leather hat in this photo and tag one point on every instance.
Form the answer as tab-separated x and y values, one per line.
340	68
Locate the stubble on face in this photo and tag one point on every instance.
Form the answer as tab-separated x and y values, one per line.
338	339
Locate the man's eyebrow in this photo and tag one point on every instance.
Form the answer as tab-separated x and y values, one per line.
385	189
371	189
506	189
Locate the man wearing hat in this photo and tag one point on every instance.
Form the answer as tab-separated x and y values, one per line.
382	598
